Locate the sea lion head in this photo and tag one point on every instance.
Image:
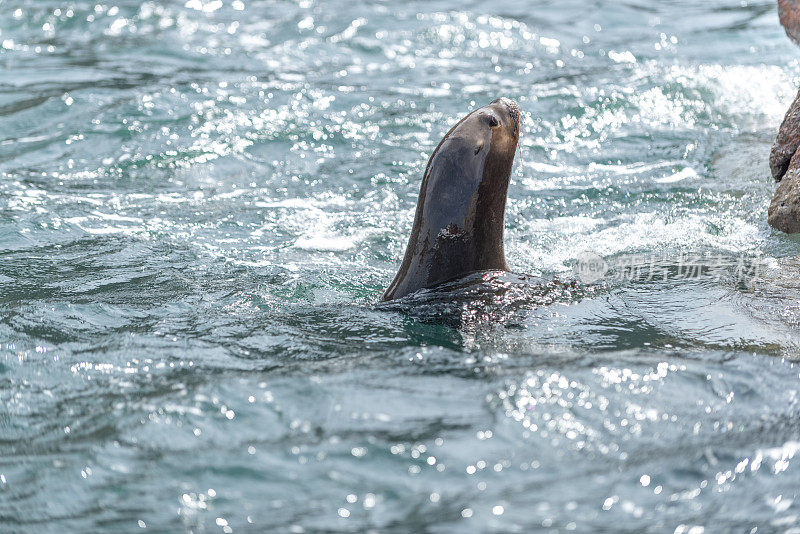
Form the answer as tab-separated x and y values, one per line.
458	228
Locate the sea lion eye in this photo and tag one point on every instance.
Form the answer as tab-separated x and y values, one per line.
493	121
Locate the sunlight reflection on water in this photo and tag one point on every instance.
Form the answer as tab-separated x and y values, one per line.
202	201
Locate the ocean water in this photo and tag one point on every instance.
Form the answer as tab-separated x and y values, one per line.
201	203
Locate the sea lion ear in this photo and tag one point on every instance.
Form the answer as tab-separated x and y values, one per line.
478	146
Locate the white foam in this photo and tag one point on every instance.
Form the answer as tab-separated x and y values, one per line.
327	243
682	174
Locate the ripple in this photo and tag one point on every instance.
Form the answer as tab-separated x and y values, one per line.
201	202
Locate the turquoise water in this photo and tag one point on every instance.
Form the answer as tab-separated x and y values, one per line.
201	203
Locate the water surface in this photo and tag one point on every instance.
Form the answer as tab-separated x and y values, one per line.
201	202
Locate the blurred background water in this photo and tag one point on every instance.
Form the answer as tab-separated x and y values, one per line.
201	202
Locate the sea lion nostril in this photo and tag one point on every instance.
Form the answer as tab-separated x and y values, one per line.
513	110
511	107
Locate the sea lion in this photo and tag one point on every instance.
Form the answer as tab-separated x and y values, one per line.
458	227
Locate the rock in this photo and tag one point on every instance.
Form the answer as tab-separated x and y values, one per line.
784	210
784	162
787	141
789	13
